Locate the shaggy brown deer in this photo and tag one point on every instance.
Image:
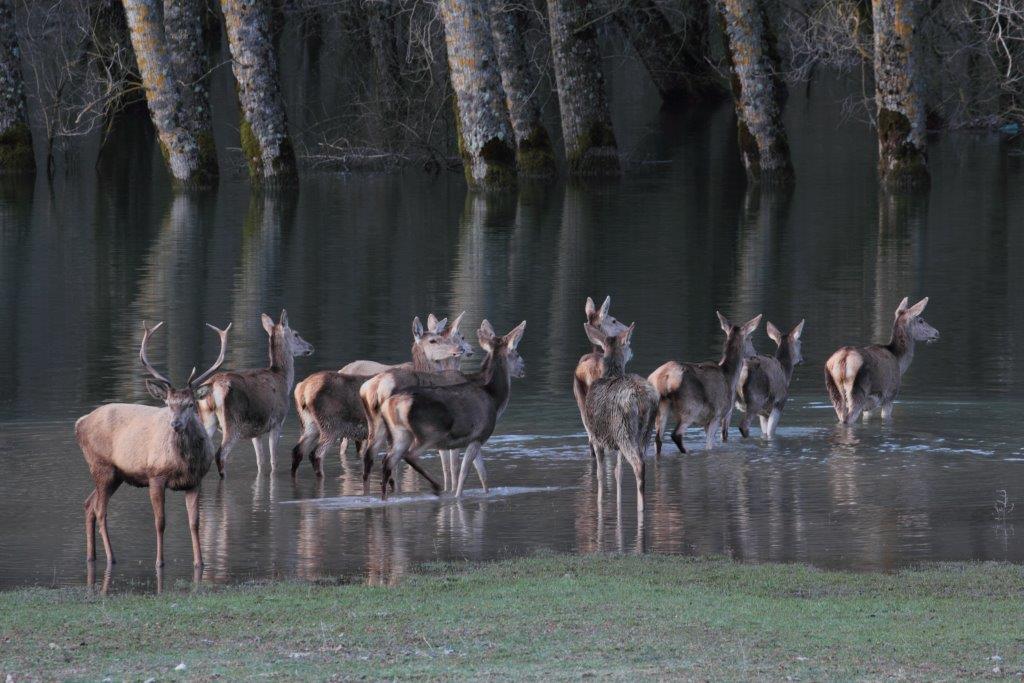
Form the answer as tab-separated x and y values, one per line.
703	393
252	404
456	416
764	382
861	379
329	406
620	408
144	446
589	368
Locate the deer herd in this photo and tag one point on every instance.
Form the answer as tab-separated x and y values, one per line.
428	403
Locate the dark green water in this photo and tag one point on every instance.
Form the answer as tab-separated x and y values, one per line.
354	258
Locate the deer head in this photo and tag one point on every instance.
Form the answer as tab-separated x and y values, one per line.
181	402
737	337
601	318
789	343
504	347
909	319
285	337
436	342
616	347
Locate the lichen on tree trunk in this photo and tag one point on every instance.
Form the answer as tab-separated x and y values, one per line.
534	156
266	144
902	159
163	96
676	65
485	136
758	92
183	26
590	147
16	155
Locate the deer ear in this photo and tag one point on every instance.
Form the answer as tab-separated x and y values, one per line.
157	390
751	325
918	308
595	336
268	323
627	334
441	326
590	308
903	306
724	322
485	335
513	338
798	330
284	317
605	306
431	322
455	323
417	328
773	333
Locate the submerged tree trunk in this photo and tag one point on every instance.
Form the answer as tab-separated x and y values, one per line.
166	106
16	153
902	160
264	128
485	136
183	24
758	93
590	147
520	81
679	72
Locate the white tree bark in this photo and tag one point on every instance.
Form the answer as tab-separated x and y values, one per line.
486	141
183	26
590	147
264	130
16	153
902	159
166	106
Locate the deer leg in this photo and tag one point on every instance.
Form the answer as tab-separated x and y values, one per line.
618	473
316	457
886	411
399	448
343	449
659	428
99	505
639	472
470	453
156	497
711	431
726	422
90	528
481	471
272	443
192	507
677	434
227	442
773	422
301	447
257	445
745	425
764	424
599	460
367	468
413	458
444	468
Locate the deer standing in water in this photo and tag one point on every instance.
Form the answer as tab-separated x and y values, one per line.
456	416
861	379
589	368
620	408
251	404
144	446
329	406
703	393
764	382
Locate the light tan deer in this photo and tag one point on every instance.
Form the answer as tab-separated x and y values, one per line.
589	369
159	448
252	404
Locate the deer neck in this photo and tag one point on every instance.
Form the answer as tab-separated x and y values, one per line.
901	345
613	365
731	364
420	362
281	361
785	357
499	383
191	444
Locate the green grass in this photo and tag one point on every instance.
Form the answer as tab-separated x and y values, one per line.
540	618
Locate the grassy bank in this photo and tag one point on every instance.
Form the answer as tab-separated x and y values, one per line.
541	617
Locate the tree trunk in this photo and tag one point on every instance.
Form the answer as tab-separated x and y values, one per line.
164	97
758	93
16	155
534	156
590	148
183	24
380	24
902	160
485	137
264	128
678	70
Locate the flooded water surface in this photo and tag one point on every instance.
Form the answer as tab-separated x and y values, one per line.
353	259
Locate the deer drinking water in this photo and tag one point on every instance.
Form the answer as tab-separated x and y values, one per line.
329	405
589	368
620	408
457	416
251	404
764	382
861	379
144	446
703	393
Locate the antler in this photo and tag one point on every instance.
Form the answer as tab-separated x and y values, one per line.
223	334
142	352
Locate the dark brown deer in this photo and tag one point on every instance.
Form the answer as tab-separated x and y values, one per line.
764	382
703	393
251	404
159	448
620	408
589	368
861	379
456	416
